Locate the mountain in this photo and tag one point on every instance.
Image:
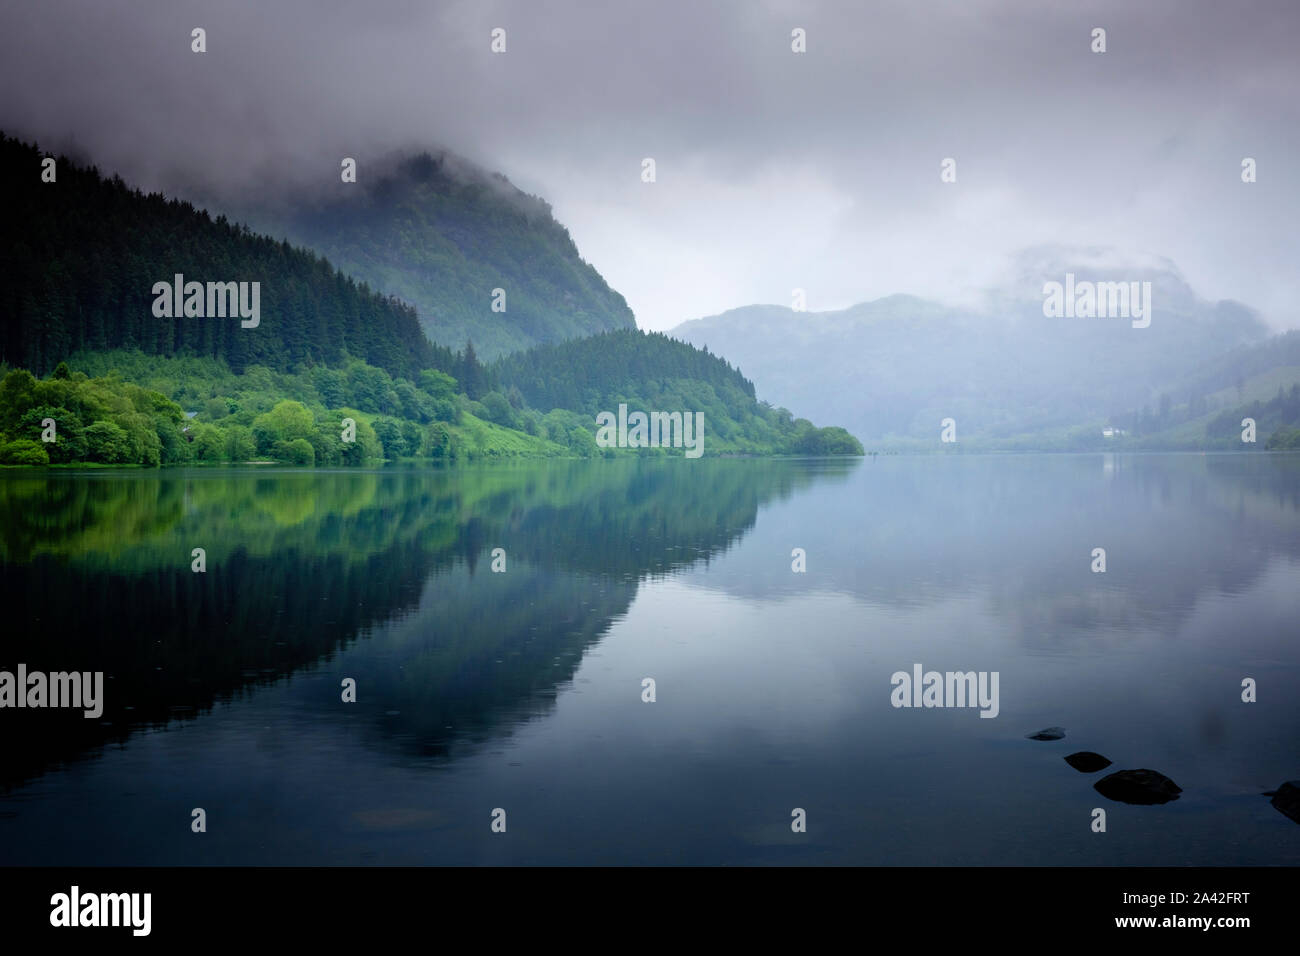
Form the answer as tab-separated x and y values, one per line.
892	369
442	234
321	370
83	254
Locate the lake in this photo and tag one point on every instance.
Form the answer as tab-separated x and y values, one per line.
522	689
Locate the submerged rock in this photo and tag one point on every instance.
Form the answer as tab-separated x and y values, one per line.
1085	761
1143	787
1048	733
1286	799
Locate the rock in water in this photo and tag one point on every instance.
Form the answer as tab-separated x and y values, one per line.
1048	733
1144	787
1085	761
1287	799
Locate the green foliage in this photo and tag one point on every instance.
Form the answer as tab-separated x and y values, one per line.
17	392
582	442
175	446
287	421
23	451
264	414
70	441
366	446
239	443
95	419
811	440
107	443
299	451
498	410
439	443
390	436
438	385
209	443
474	379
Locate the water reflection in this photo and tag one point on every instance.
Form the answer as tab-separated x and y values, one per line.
479	689
96	574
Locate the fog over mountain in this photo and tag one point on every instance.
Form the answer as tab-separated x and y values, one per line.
449	237
893	368
775	170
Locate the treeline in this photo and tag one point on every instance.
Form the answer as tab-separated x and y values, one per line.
121	407
581	374
128	414
1204	422
1278	418
1217	393
435	416
73	418
82	254
650	371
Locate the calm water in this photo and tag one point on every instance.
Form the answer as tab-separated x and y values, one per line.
522	690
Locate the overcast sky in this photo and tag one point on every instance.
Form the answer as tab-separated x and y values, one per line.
775	170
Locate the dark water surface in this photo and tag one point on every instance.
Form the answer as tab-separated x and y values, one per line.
522	690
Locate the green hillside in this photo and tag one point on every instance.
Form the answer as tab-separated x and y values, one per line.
83	253
650	371
442	234
1205	408
330	373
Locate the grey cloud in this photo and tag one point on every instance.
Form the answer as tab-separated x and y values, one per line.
775	170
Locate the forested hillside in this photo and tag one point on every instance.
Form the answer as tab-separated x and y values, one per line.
652	371
1205	408
128	408
82	255
583	375
331	373
443	234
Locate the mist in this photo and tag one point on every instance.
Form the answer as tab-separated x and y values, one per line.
775	170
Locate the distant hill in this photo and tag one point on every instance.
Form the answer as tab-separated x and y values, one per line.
649	371
442	234
890	370
83	253
1206	406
